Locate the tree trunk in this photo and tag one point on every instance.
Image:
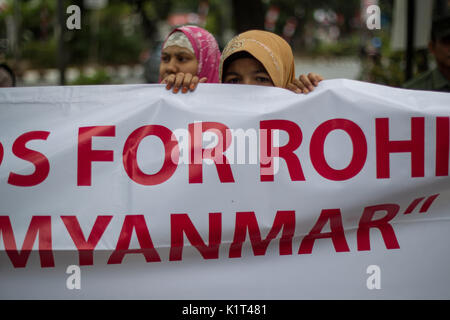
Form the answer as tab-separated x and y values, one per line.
248	14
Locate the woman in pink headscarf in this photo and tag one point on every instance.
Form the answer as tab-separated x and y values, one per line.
190	55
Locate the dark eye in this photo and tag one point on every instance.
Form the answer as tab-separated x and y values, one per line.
183	59
232	80
263	79
165	58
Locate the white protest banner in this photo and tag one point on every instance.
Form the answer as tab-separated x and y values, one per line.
229	192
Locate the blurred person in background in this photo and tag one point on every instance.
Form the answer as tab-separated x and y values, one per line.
152	63
7	77
437	79
190	55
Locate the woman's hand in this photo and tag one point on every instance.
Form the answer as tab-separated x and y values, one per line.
305	84
184	81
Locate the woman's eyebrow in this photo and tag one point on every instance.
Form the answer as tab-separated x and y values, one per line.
184	51
183	54
260	71
231	73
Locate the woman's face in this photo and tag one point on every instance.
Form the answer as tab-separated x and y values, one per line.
175	59
247	71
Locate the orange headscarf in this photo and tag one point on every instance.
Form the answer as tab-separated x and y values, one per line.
274	53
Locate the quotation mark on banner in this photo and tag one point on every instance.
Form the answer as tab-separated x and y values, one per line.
425	206
74	280
374	281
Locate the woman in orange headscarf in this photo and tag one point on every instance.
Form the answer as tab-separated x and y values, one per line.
263	58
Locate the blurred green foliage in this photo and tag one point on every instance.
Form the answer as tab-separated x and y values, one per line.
123	31
347	46
382	66
112	35
108	36
387	70
40	54
99	77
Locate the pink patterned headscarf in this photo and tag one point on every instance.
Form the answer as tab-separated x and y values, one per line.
206	51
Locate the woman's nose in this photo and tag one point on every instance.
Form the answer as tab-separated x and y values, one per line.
249	80
171	66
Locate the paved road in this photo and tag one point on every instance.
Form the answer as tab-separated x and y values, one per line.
348	68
